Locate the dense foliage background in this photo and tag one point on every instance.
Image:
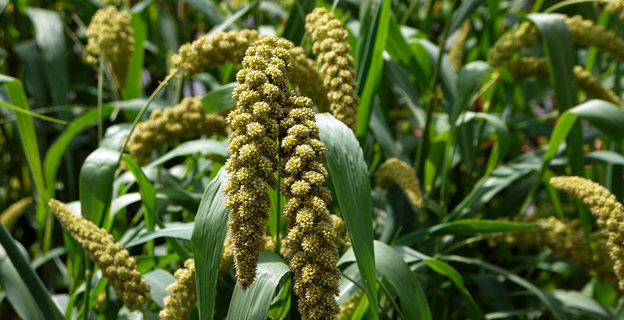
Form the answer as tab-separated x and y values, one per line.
494	240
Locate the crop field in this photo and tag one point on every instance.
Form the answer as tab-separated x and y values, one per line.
311	159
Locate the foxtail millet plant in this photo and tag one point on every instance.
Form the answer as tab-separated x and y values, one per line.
566	239
205	52
186	120
311	241
260	99
584	32
267	112
330	44
183	293
607	210
527	67
110	37
115	262
11	214
397	171
227	259
614	6
458	49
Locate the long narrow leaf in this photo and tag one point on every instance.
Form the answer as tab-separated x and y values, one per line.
255	302
208	238
348	170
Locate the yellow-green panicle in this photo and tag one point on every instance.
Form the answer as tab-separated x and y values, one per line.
183	293
110	37
186	120
567	240
11	214
396	171
260	99
456	53
205	52
606	209
115	262
526	67
311	241
330	44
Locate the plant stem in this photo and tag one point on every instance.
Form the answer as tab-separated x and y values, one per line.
87	287
277	216
99	98
149	101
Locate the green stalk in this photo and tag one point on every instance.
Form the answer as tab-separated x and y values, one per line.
277	216
99	98
88	275
147	103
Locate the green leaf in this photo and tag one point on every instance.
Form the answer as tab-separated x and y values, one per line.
295	26
182	231
19	260
133	88
232	18
255	302
50	37
560	52
16	291
208	9
28	136
463	13
466	227
447	75
382	134
603	115
349	173
468	82
446	270
578	301
158	280
402	280
208	238
219	99
204	147
399	49
369	72
551	304
54	154
501	147
148	197
146	188
96	183
34	77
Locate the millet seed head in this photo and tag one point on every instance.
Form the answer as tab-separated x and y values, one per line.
397	171
115	262
110	37
606	209
260	98
183	293
11	214
205	52
330	44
